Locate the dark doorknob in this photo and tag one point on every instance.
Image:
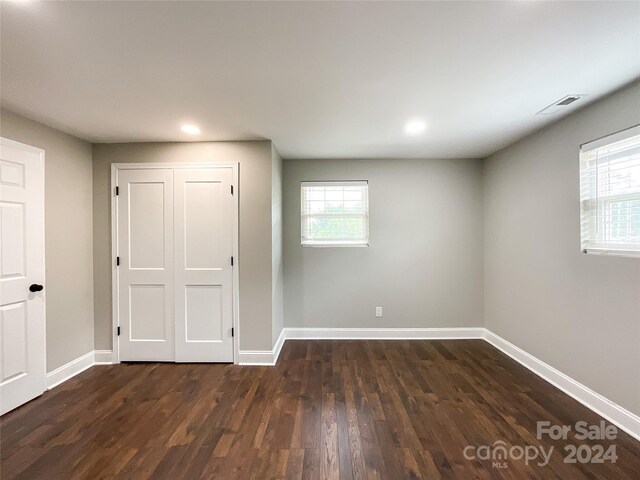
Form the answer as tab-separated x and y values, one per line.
35	287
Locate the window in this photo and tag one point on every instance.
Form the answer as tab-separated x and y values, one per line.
610	194
335	214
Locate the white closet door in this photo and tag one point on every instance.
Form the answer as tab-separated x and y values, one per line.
204	216
22	301
146	271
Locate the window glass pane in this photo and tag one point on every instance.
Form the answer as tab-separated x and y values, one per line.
316	207
334	194
610	193
335	213
336	228
352	194
353	207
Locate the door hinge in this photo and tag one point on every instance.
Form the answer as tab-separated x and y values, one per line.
118	331
117	261
232	261
117	190
232	331
231	189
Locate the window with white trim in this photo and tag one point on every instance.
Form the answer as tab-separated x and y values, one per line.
334	214
610	194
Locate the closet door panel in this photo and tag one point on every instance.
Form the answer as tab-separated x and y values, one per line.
146	271
203	282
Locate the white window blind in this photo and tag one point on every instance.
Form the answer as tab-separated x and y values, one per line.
610	194
334	213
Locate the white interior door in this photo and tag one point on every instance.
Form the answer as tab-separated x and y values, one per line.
204	221
146	266
22	300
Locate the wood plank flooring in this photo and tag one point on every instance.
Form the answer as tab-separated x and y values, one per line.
328	410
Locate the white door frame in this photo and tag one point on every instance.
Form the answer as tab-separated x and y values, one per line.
235	287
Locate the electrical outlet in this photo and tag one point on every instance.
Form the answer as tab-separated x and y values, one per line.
378	311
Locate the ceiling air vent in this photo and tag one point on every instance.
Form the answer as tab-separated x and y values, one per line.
560	105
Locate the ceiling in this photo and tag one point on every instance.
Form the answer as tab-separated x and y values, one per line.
321	79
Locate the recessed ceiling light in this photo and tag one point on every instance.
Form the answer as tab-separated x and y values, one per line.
190	129
415	126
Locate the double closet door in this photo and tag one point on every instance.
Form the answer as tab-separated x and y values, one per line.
175	236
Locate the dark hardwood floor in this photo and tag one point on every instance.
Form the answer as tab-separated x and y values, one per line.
329	409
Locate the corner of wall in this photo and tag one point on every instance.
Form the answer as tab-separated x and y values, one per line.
277	267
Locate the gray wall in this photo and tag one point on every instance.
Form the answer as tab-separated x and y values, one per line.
579	313
68	236
277	265
255	261
424	263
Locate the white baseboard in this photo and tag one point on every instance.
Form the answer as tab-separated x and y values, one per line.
68	370
383	333
278	346
74	367
103	357
256	357
604	407
270	357
262	357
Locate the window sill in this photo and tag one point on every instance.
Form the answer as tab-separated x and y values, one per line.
330	245
615	252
